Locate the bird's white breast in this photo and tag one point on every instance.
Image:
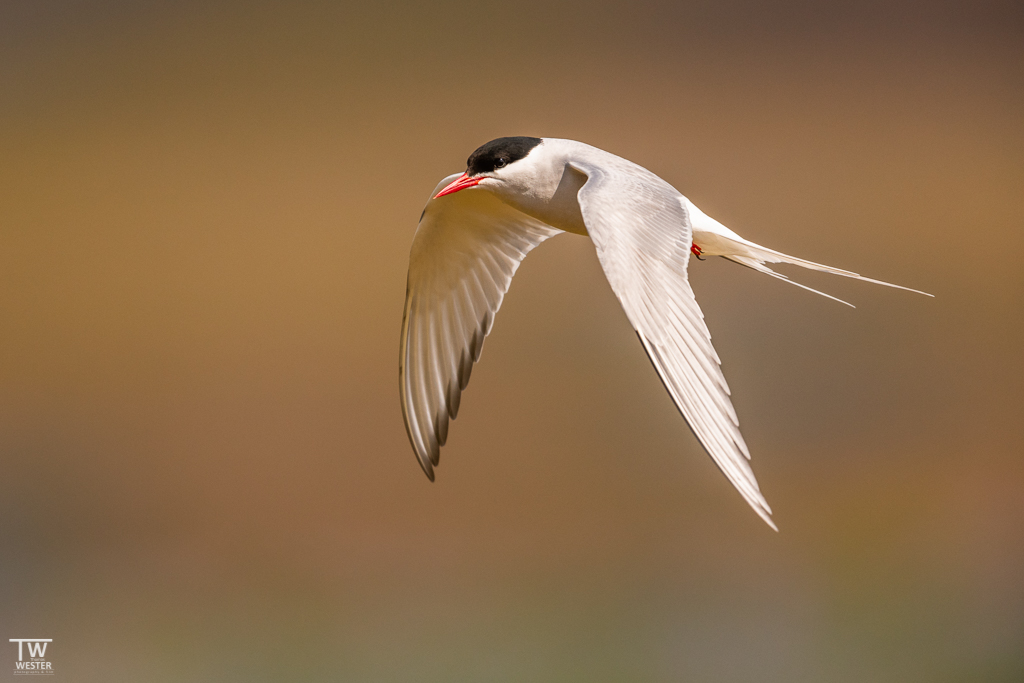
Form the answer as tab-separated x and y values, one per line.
545	187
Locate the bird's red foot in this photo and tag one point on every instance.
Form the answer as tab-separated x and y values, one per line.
697	251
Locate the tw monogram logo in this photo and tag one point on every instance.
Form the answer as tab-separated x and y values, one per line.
36	665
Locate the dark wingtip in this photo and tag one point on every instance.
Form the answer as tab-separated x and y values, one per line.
426	467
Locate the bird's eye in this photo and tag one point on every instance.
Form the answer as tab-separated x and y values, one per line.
501	162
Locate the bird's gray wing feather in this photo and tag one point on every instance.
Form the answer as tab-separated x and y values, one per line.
642	234
467	248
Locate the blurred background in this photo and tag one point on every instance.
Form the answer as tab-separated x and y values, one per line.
206	210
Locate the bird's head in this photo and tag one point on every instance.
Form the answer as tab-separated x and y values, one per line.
494	166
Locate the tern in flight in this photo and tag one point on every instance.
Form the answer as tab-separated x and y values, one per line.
517	192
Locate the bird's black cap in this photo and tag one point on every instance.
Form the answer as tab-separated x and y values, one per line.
499	153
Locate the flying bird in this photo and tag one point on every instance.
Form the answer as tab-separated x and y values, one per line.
517	192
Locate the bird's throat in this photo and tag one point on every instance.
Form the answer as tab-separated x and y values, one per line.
558	204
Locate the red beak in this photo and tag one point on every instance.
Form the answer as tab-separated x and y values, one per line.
460	183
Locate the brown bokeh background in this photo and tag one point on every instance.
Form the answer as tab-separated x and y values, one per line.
205	217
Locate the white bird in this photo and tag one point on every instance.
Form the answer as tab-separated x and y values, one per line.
517	192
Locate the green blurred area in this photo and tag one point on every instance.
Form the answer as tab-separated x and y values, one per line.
205	217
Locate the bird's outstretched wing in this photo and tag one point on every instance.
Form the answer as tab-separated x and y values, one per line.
467	248
643	235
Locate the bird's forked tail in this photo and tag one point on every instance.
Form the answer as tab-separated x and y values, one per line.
714	239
